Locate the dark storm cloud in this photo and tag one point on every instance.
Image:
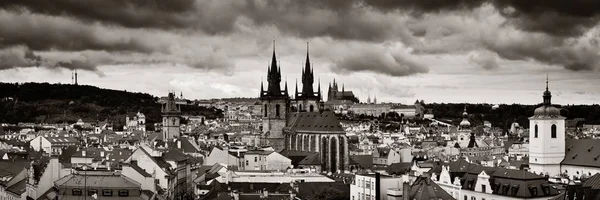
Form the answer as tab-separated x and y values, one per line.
379	61
39	32
74	25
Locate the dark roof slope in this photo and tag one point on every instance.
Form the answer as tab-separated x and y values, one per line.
582	152
312	159
325	121
425	188
398	168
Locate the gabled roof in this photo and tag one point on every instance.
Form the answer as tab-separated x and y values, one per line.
425	188
322	122
582	152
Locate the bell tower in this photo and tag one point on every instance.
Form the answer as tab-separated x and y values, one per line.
275	106
170	113
546	138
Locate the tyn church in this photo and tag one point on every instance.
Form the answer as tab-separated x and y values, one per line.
302	123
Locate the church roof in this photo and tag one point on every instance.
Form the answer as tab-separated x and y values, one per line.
582	152
315	122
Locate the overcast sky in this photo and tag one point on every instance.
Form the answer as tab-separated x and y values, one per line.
496	51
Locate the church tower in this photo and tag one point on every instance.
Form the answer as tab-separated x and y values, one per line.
546	138
308	99
275	106
170	113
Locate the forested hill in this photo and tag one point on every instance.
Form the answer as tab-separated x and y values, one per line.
51	103
504	115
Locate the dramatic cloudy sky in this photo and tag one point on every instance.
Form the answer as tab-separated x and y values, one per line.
496	51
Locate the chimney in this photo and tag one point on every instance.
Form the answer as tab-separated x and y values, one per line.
102	154
83	153
405	191
179	144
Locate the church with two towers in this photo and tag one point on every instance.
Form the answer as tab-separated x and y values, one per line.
301	123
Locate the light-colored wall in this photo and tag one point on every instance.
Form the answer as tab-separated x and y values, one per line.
220	156
572	170
46	145
276	161
546	153
147	183
53	172
150	167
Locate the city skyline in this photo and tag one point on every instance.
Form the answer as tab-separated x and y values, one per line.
464	51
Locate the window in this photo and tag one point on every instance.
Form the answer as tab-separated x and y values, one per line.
265	110
123	193
312	108
76	192
247	163
536	131
255	159
368	184
466	198
473	198
553	130
92	192
483	188
107	193
300	107
277	106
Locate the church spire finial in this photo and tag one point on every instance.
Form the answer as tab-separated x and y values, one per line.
546	81
296	92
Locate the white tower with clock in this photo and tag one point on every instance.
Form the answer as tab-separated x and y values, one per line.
170	113
546	138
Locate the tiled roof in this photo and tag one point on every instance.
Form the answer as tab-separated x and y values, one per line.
425	188
100	180
593	182
18	188
312	159
398	168
325	121
365	161
582	152
174	155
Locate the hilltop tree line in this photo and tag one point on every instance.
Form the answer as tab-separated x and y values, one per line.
504	115
58	103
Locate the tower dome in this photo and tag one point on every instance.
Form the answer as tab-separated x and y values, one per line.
465	122
546	110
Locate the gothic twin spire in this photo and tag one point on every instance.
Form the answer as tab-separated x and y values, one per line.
274	79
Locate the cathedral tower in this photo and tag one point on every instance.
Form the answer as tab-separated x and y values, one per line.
546	138
275	106
307	100
170	113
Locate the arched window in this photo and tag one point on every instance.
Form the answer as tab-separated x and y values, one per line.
536	131
553	131
277	110
265	110
312	108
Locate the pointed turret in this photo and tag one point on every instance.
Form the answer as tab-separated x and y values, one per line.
307	78
296	90
286	88
274	76
319	90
